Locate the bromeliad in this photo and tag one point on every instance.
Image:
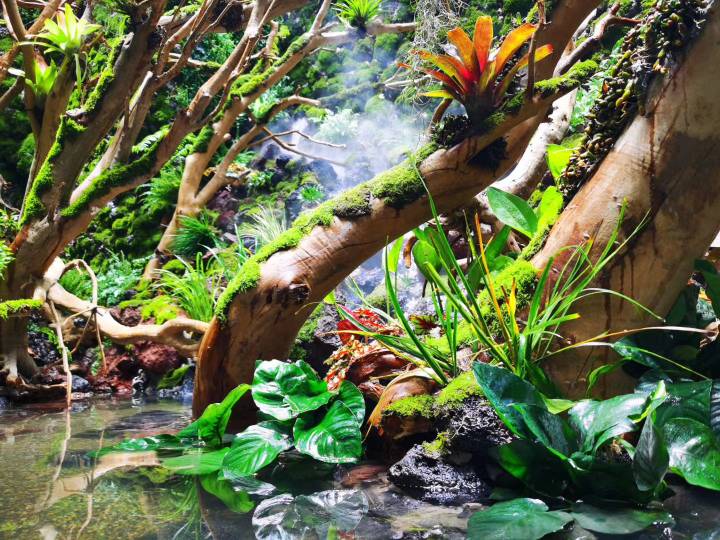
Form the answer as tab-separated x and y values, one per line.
473	74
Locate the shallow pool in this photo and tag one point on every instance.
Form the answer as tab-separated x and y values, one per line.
50	488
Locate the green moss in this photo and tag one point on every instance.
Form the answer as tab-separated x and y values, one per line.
13	307
353	203
202	140
114	177
576	75
458	390
439	446
246	279
402	184
422	405
34	207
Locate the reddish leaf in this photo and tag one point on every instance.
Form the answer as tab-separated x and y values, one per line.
482	40
540	53
365	317
465	49
510	45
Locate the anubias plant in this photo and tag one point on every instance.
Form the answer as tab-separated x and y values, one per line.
473	74
297	410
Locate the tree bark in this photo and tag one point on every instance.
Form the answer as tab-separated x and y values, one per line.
666	166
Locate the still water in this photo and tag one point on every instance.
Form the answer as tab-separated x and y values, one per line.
50	488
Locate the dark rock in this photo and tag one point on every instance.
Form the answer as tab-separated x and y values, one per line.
41	348
325	173
127	316
80	385
474	427
5	403
282	160
270	151
224	201
226	221
433	479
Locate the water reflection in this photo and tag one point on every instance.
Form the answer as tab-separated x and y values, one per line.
51	488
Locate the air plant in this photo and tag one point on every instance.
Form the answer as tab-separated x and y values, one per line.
66	36
44	79
357	13
471	73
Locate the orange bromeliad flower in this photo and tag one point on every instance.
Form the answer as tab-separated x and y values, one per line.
471	74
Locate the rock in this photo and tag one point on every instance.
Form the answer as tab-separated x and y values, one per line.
226	221
434	479
223	201
80	385
157	358
325	173
127	316
474	427
5	403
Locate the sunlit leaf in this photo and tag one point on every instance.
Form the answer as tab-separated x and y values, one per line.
211	425
482	39
464	45
333	436
528	519
513	211
255	448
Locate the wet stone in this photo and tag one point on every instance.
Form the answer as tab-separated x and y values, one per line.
436	480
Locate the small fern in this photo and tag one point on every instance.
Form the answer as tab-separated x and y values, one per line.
162	192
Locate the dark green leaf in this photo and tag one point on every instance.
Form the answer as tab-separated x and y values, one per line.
617	521
211	426
393	256
353	400
156	443
651	460
425	254
496	246
333	437
694	452
534	465
528	519
503	389
255	448
715	408
686	400
285	390
236	500
513	211
196	462
549	429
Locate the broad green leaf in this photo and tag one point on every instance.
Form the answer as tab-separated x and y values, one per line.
651	460
196	462
550	206
393	256
549	429
284	390
715	408
513	211
352	398
497	245
255	448
503	389
425	254
236	500
156	443
686	400
600	421
558	158
557	405
694	452
211	425
333	437
528	519
617	521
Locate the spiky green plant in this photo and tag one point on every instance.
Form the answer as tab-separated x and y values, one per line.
195	234
312	194
357	13
265	226
196	290
44	79
67	33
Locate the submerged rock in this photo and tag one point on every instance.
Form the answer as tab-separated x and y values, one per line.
433	478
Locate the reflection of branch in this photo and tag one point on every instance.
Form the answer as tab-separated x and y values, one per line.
290	148
64	351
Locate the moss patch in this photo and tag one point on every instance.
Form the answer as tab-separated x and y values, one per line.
13	307
34	207
413	406
438	446
576	75
353	203
458	390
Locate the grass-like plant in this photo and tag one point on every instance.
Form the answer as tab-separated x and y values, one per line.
195	234
265	226
196	290
357	13
473	74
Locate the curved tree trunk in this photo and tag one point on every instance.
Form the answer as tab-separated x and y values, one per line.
263	322
666	166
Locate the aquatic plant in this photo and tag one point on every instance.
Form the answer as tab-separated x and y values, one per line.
473	74
300	412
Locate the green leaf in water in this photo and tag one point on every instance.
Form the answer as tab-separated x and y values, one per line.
651	460
255	448
617	521
211	426
284	390
528	519
333	437
236	500
196	462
